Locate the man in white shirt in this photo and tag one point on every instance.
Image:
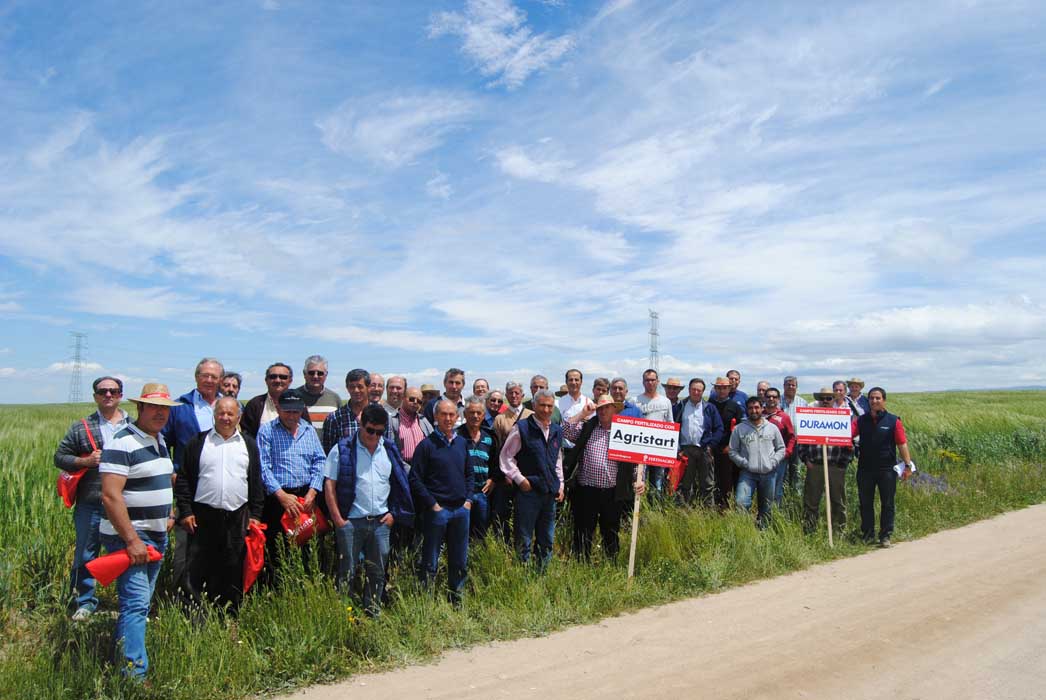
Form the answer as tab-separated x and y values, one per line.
218	490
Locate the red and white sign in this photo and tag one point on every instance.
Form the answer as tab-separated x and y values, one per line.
640	440
823	426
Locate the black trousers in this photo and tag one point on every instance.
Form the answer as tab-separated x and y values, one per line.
885	480
726	473
595	506
698	479
216	552
501	504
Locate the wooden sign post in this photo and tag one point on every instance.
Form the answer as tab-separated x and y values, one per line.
815	425
648	443
640	476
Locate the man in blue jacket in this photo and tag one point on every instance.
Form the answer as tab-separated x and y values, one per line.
700	429
367	493
441	482
195	415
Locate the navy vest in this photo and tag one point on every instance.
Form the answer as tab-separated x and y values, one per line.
878	442
345	487
537	458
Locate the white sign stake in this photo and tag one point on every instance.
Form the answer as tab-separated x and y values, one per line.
827	495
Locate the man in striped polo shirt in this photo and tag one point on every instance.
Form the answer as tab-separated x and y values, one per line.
136	474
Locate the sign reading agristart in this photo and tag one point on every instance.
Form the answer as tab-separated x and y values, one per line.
641	440
822	426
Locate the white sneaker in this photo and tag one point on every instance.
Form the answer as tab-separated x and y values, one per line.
81	614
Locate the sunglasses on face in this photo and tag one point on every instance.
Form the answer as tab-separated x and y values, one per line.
495	401
374	431
316	373
103	392
413	399
281	377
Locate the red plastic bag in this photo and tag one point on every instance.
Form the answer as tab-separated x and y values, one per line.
108	568
254	558
676	471
66	485
306	525
68	481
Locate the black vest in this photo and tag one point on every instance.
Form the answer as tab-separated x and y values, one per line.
878	442
537	457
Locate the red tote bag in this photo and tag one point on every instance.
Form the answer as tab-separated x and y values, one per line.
254	558
67	482
306	525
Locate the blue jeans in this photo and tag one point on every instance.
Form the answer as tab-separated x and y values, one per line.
779	481
535	520
479	516
134	589
748	483
452	526
86	517
371	538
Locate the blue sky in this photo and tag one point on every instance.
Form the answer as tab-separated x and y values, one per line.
825	189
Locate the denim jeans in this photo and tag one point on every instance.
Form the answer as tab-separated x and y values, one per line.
535	520
762	484
134	589
86	517
450	525
657	482
479	516
372	539
779	481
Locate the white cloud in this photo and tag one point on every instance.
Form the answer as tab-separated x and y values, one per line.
439	186
394	131
8	371
496	37
68	366
514	161
60	140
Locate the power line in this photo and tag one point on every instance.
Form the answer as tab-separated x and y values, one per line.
655	355
78	344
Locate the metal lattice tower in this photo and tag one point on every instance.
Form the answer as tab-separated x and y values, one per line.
78	344
655	355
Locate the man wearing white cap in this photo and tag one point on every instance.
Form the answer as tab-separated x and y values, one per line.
136	471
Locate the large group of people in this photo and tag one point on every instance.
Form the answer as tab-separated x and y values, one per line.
423	472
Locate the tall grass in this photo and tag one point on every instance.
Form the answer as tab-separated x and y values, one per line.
984	451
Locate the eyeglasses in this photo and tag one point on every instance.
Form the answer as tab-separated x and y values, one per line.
495	401
103	392
375	431
413	399
316	373
281	377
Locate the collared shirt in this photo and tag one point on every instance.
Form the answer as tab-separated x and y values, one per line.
343	423
148	492
203	410
480	453
373	479
222	482
790	406
411	433
595	470
514	410
693	420
570	407
108	429
510	449
460	404
269	412
289	460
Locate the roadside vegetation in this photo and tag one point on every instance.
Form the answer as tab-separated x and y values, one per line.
978	453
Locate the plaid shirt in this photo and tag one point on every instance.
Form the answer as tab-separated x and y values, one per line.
837	455
595	469
290	461
343	424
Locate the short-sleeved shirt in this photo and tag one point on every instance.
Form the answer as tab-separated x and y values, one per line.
657	408
146	463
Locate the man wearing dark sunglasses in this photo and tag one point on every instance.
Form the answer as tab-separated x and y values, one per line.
367	493
263	407
81	448
319	400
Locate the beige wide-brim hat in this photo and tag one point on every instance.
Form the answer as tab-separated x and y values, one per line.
156	394
854	380
722	381
426	388
562	390
673	382
604	401
825	394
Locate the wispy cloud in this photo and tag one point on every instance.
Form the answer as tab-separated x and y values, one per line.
394	131
495	35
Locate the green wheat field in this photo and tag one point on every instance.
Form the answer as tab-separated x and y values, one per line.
985	453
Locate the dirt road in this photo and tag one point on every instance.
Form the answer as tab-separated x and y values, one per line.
960	614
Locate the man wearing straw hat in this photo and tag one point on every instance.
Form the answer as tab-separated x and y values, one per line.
596	498
855	398
673	388
730	415
136	471
839	456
